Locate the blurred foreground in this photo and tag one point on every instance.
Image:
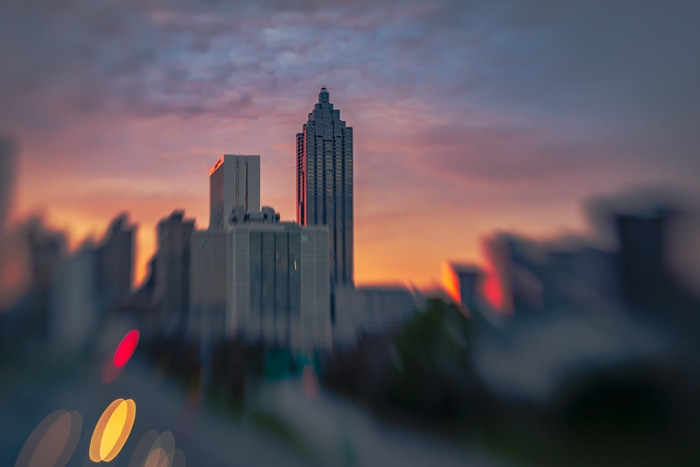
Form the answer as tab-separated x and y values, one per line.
577	351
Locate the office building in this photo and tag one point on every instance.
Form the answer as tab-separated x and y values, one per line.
262	281
208	281
233	181
325	183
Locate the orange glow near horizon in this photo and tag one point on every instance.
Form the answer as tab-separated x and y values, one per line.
450	282
383	254
14	272
391	259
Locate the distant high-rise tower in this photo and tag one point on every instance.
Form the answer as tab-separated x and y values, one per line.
172	270
324	183
233	181
115	263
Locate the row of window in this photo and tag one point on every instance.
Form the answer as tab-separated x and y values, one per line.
275	272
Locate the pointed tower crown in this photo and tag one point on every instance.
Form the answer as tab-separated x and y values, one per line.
323	96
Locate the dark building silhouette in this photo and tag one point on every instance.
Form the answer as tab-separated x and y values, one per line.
547	276
643	257
171	285
115	263
45	249
325	183
464	282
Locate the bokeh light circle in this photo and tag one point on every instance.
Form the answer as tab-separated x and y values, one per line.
126	348
157	458
156	450
112	430
53	441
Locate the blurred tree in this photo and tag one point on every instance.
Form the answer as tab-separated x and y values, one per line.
433	369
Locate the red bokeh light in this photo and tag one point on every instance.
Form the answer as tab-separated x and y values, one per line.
126	348
493	291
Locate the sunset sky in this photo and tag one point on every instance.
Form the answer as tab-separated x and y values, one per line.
469	116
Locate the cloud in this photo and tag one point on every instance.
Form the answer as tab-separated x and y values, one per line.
464	112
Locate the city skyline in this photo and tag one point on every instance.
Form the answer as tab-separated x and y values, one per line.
476	245
468	118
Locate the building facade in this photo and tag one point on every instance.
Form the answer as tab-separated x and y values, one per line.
325	184
233	181
262	281
208	283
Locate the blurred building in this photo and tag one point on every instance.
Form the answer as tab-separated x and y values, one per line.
371	310
261	280
115	263
533	359
171	283
45	249
74	299
209	278
532	277
643	260
325	183
233	181
463	282
517	266
14	270
8	154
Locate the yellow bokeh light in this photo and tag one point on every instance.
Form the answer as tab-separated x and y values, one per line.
112	430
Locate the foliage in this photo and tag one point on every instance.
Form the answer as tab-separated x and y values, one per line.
433	371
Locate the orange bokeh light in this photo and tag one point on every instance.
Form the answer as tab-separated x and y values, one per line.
112	430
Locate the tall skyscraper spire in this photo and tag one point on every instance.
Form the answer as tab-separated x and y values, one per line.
325	183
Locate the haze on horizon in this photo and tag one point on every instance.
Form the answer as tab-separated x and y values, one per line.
468	117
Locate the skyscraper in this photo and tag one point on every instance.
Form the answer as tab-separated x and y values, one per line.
233	181
325	183
115	263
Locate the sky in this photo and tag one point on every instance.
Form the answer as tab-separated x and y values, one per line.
469	117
